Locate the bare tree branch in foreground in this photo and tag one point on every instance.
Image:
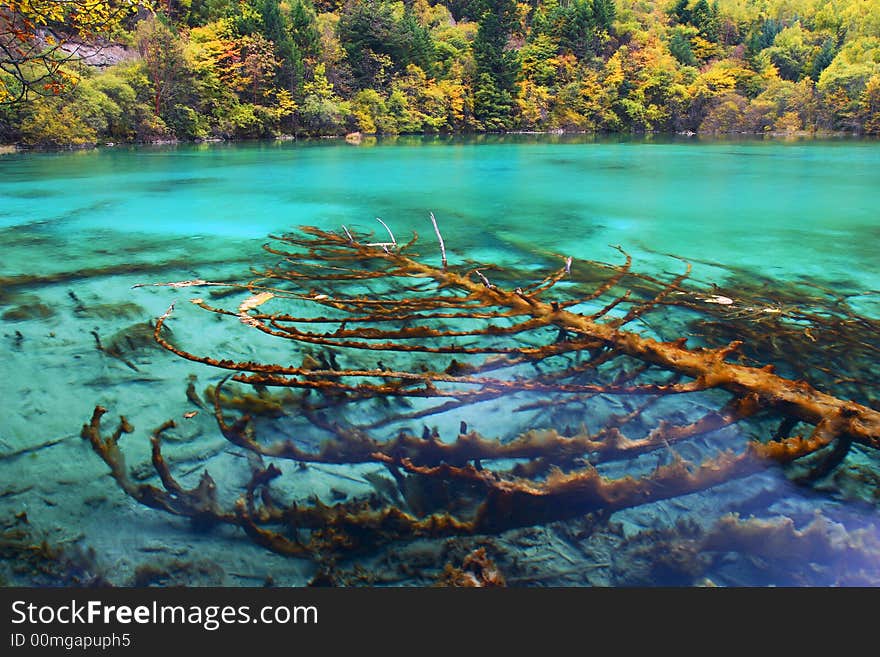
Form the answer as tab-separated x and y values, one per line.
386	339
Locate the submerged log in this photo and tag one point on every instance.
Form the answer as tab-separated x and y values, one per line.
376	309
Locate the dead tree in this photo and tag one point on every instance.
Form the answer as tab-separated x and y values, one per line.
374	322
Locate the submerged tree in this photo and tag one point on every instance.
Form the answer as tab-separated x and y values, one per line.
387	339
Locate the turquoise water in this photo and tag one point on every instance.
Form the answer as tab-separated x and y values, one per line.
790	210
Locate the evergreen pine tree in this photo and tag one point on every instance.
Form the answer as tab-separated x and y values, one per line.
497	65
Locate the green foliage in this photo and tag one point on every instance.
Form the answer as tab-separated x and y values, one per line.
604	13
705	19
853	65
56	123
371	113
680	12
132	119
791	52
302	25
202	12
106	107
259	68
497	65
538	60
493	106
823	59
37	37
701	15
382	38
575	26
845	81
322	111
680	45
161	53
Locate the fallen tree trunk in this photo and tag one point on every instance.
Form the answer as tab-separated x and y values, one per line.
371	299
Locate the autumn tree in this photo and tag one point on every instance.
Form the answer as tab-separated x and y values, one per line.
162	56
842	84
234	68
422	104
869	106
38	37
323	111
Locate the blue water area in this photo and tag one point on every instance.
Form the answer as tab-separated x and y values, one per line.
791	208
79	229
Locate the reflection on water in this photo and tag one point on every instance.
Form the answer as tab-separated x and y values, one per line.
79	230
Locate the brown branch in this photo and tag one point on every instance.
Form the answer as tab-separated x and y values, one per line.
391	305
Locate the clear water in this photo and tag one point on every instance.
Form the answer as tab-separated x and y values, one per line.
793	210
801	208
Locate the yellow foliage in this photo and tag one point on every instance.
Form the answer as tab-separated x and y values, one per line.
331	47
31	59
85	17
566	66
869	105
703	49
523	12
533	102
716	81
614	76
790	122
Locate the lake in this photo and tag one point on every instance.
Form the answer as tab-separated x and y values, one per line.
79	229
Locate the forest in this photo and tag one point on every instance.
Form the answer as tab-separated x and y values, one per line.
84	73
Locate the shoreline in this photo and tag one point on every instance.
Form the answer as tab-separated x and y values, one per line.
369	139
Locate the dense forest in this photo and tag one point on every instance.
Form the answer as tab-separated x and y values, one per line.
232	69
